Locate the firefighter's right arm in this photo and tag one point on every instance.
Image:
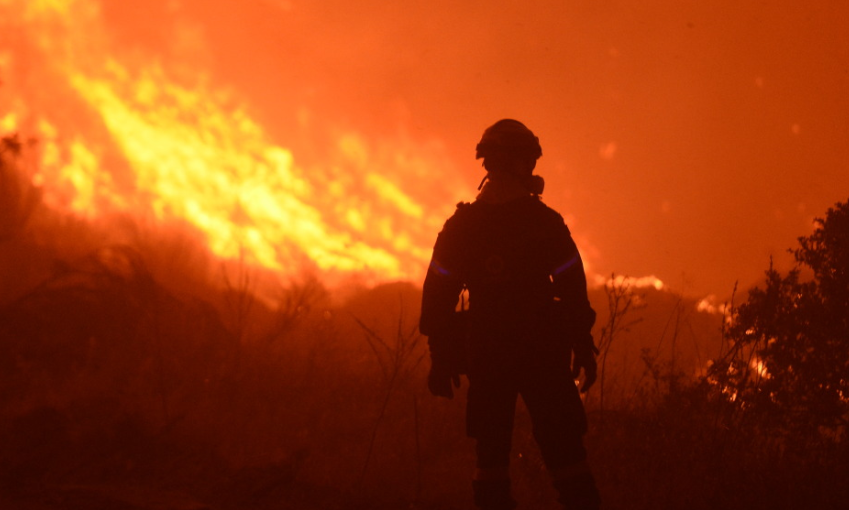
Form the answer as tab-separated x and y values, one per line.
442	287
443	282
439	299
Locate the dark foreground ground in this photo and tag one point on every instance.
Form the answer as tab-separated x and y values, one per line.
118	393
49	465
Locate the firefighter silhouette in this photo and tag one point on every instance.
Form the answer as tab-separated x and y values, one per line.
527	328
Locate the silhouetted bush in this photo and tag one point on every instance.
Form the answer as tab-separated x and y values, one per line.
787	368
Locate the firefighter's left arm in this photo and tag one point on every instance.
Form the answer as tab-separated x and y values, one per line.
570	288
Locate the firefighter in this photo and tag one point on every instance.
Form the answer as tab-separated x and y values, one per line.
527	330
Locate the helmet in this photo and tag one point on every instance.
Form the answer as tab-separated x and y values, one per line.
508	135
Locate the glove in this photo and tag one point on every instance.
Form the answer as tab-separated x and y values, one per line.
584	358
441	381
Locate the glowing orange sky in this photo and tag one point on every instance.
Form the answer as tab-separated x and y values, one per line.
689	140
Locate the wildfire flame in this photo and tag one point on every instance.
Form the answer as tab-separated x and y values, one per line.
122	132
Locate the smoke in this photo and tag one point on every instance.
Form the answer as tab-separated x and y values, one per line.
682	138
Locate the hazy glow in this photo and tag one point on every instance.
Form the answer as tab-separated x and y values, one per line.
681	138
760	367
641	282
607	151
709	305
8	123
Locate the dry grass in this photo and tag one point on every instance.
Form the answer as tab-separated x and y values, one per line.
130	378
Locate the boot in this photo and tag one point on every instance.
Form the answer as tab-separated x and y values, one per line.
578	492
493	495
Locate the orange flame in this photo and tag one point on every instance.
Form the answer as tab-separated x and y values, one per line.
120	134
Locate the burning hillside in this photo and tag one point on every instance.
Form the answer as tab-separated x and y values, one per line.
125	131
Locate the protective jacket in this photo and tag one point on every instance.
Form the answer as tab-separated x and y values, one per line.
525	278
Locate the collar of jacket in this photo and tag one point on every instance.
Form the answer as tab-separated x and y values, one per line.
502	190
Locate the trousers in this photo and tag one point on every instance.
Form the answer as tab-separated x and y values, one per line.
550	395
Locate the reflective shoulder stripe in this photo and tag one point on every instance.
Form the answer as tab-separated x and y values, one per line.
566	265
436	266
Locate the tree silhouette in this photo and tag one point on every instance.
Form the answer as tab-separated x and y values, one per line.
18	196
790	340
